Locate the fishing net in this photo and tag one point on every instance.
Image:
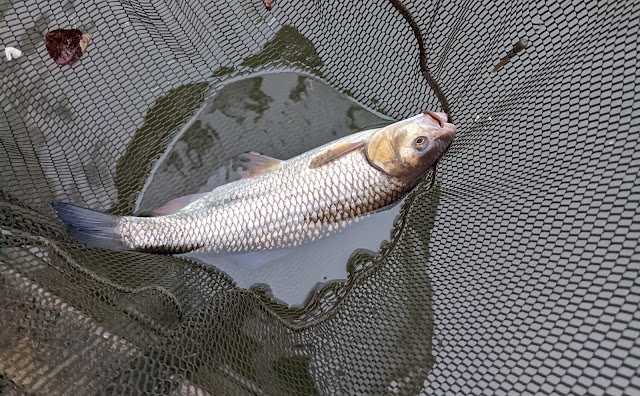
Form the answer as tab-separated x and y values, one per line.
516	271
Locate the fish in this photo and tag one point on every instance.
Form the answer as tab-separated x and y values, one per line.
280	204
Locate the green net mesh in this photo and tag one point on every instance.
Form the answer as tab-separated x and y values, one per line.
515	272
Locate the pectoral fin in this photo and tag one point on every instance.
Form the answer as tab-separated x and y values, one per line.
335	152
255	164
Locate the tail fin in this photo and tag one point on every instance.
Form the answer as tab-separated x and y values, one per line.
92	228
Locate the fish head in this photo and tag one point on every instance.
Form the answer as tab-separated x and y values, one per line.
408	149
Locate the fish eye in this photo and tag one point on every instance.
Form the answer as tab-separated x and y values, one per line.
421	143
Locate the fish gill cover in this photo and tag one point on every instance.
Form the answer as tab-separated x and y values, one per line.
516	272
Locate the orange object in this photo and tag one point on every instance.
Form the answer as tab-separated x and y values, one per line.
66	46
268	4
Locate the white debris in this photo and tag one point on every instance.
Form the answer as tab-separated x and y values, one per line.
12	53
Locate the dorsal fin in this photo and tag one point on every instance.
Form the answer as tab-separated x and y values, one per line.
255	164
335	152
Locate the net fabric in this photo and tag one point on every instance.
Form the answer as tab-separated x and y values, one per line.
517	272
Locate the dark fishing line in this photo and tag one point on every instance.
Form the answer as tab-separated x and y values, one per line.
433	84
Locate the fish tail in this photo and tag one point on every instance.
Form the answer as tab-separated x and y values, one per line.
92	228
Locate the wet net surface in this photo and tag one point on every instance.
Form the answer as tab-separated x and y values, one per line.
517	272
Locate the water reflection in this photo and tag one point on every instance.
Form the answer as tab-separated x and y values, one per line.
167	114
281	115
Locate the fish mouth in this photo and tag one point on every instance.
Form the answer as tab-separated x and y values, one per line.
443	130
440	118
447	134
436	119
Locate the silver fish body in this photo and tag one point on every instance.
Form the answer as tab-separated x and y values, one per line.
283	208
295	201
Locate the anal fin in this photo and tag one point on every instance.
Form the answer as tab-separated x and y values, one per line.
176	204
